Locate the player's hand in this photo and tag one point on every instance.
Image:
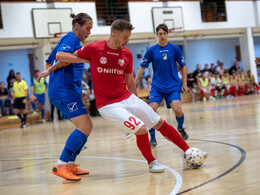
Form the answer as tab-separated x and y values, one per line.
43	74
24	101
185	89
257	60
32	98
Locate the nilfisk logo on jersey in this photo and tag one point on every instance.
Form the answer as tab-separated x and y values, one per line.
65	47
103	60
72	106
121	62
164	55
110	70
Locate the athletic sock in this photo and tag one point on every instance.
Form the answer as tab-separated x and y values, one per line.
172	135
24	118
180	121
73	158
33	106
20	116
72	145
43	112
152	134
143	144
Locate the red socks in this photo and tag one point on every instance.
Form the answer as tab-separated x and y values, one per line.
143	144
172	135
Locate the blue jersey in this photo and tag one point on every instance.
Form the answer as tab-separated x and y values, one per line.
66	82
163	59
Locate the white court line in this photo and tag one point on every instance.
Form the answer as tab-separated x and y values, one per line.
178	177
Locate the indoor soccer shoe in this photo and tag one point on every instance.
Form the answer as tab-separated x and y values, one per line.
183	133
155	167
64	172
76	171
153	143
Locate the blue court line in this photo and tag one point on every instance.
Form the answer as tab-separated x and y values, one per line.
219	108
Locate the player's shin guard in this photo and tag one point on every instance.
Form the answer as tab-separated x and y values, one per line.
84	140
143	144
34	106
180	121
72	145
43	113
202	93
152	134
172	135
212	92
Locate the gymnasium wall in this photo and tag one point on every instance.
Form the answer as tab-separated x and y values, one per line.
17	20
16	60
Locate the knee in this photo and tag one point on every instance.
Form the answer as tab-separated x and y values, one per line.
141	131
159	124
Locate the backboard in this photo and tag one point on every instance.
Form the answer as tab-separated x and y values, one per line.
172	16
48	22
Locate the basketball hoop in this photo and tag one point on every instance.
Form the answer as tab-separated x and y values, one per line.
59	35
175	30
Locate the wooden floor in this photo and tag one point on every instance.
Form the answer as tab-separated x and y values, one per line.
229	130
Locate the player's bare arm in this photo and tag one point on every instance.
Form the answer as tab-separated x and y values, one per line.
72	58
185	88
139	74
129	78
47	65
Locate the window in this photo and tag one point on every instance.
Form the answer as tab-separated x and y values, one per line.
1	21
213	10
111	10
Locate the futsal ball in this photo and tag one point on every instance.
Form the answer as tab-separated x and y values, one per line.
194	157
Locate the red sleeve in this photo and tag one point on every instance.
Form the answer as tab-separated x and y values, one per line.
129	67
84	52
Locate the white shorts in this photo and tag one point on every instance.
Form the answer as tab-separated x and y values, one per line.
130	115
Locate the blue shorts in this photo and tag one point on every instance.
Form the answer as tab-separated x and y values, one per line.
40	98
157	96
70	107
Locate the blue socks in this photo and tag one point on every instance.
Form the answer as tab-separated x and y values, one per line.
73	145
43	112
180	121
73	158
152	134
33	106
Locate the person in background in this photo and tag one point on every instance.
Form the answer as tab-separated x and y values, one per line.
251	82
205	87
219	86
234	67
166	83
38	90
5	99
148	83
10	79
19	98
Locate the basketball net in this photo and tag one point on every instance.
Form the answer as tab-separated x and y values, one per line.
175	30
59	35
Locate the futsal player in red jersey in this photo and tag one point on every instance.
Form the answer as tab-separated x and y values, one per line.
112	70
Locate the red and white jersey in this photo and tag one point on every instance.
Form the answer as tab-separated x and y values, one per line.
107	71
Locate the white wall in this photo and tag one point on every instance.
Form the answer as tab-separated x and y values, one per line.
17	20
209	51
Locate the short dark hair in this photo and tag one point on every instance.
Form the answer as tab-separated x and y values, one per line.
163	26
80	18
120	25
18	73
2	82
36	71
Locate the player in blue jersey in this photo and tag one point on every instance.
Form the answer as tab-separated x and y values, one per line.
166	83
65	94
